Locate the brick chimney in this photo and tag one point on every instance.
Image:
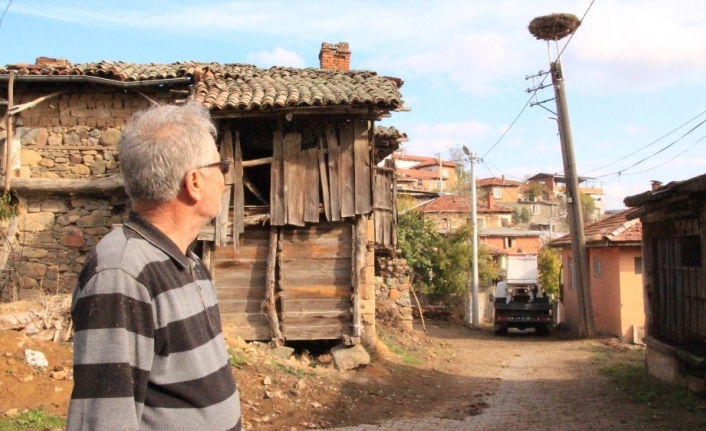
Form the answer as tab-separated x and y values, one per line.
491	199
335	57
655	184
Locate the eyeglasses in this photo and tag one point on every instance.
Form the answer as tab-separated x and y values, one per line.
223	165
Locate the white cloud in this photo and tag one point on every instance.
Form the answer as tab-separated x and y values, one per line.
276	57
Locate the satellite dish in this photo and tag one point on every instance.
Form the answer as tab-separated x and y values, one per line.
466	151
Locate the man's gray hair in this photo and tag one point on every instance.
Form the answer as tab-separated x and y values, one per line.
159	145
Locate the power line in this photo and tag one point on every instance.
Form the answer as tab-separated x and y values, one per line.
664	163
642	148
536	89
655	153
3	14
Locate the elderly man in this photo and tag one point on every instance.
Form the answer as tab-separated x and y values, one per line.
149	352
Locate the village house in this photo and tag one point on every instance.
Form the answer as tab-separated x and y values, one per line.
305	209
450	212
555	185
615	263
674	277
421	173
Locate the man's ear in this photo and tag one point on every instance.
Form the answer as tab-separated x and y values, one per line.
194	184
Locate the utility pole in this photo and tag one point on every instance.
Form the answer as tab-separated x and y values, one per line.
472	305
573	202
552	28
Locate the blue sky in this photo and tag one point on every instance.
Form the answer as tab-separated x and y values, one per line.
635	70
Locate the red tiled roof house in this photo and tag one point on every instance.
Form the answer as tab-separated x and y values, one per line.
615	262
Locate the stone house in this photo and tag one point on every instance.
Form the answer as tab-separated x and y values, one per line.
421	173
449	212
555	185
616	266
311	129
673	221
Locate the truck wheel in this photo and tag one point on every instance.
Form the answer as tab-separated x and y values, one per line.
542	330
502	330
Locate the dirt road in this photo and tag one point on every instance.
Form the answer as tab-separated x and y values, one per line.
527	382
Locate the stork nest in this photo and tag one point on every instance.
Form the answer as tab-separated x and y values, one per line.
554	27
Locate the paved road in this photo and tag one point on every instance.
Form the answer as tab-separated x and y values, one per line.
568	396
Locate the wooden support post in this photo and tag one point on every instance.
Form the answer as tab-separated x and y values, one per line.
268	306
8	140
360	248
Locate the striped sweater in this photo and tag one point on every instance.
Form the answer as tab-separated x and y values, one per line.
149	352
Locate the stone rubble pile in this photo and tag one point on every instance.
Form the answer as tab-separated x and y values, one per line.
392	286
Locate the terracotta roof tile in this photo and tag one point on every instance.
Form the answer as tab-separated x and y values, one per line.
242	86
614	229
495	181
417	174
456	203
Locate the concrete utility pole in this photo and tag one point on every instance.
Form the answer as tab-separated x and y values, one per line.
555	27
472	305
573	203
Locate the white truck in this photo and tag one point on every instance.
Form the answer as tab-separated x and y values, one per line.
519	302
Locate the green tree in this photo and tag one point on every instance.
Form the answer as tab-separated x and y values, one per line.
588	207
521	216
549	269
536	190
446	259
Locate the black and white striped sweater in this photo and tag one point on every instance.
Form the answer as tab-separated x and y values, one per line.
149	352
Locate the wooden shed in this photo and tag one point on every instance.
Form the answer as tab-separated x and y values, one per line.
674	278
305	205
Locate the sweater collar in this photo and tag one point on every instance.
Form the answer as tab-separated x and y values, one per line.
156	237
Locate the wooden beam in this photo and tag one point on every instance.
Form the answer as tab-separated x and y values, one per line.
13	110
62	186
333	152
277	209
268	305
324	179
257	162
361	166
238	193
8	140
360	245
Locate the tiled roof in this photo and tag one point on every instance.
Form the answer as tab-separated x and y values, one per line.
389	133
435	162
456	203
495	181
242	86
417	174
611	230
508	231
413	158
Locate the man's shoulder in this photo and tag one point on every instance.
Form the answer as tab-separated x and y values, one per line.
126	250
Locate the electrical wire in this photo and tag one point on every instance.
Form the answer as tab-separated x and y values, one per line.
655	153
3	14
664	163
646	146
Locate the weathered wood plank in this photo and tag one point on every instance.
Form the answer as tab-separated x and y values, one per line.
226	152
240	320
221	221
334	250
238	196
277	202
316	292
346	176
269	305
241	293
361	166
294	175
318	234
324	180
311	190
232	306
321	318
334	184
359	264
312	305
300	276
332	332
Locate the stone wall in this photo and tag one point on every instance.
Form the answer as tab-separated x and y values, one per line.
392	288
52	240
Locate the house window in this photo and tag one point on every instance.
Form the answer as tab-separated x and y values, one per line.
597	267
480	223
509	242
535	209
419	183
638	265
497	192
